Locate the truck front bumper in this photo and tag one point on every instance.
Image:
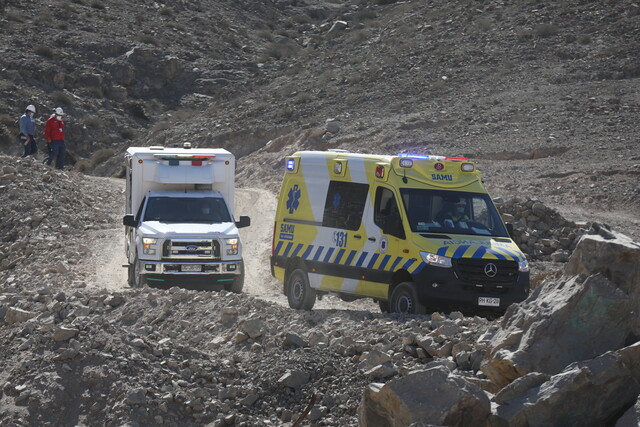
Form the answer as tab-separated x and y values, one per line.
194	275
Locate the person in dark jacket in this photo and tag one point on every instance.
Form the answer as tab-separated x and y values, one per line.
54	136
27	131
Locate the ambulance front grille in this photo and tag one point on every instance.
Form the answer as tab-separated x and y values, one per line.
191	249
478	271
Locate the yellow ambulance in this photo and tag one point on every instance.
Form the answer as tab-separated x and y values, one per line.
412	232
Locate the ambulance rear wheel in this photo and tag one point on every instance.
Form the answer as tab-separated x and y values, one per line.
404	299
299	293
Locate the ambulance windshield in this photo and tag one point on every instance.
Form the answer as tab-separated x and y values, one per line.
452	212
187	209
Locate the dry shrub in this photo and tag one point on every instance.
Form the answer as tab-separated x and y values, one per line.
101	156
61	98
545	30
45	51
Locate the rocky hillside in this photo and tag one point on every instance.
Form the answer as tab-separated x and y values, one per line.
544	93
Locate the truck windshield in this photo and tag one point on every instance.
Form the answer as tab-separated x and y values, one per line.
452	212
187	209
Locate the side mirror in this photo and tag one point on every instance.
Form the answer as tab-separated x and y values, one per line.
245	221
510	229
129	221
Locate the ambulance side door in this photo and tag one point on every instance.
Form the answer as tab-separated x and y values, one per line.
385	232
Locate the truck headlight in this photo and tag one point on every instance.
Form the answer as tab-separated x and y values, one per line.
147	242
523	265
232	245
437	260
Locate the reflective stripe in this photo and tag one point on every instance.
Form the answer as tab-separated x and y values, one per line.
278	247
374	258
460	251
408	264
363	256
442	251
393	266
384	262
288	248
350	258
306	253
339	256
298	248
328	255
318	253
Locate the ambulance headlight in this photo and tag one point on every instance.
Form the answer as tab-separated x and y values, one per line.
147	243
436	260
468	167
232	246
523	265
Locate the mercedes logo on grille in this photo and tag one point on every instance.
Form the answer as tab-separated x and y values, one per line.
490	269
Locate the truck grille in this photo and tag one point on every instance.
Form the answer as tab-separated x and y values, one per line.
194	249
475	271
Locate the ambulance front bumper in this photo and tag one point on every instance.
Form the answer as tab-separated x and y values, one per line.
447	288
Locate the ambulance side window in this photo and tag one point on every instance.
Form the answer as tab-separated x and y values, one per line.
344	205
386	214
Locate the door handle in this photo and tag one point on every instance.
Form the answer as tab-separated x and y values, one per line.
371	239
357	236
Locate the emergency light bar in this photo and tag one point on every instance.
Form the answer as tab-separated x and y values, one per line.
184	156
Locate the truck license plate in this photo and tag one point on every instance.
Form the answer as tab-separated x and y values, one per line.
489	302
191	267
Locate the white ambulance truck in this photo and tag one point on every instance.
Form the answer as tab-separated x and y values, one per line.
179	222
412	232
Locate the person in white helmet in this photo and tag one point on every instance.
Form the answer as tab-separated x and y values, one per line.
54	135
28	130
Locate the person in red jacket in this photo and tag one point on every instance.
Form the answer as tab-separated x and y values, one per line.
54	135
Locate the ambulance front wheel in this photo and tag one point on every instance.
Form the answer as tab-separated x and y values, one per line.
404	299
299	293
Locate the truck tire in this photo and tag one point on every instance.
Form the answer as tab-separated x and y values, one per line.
134	279
299	293
236	286
404	299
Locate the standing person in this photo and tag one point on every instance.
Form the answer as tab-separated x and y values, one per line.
54	135
28	130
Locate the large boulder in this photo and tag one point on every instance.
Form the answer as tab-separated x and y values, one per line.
431	397
613	255
569	320
588	393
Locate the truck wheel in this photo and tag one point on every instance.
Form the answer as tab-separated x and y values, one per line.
236	286
404	299
135	279
299	293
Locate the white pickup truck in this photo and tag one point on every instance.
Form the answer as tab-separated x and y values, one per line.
179	222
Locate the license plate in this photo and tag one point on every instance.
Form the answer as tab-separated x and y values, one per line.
191	267
489	302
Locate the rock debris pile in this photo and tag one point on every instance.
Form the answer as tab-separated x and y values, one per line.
540	231
47	215
182	357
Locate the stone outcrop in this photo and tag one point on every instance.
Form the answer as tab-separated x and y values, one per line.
613	255
431	397
589	393
570	320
